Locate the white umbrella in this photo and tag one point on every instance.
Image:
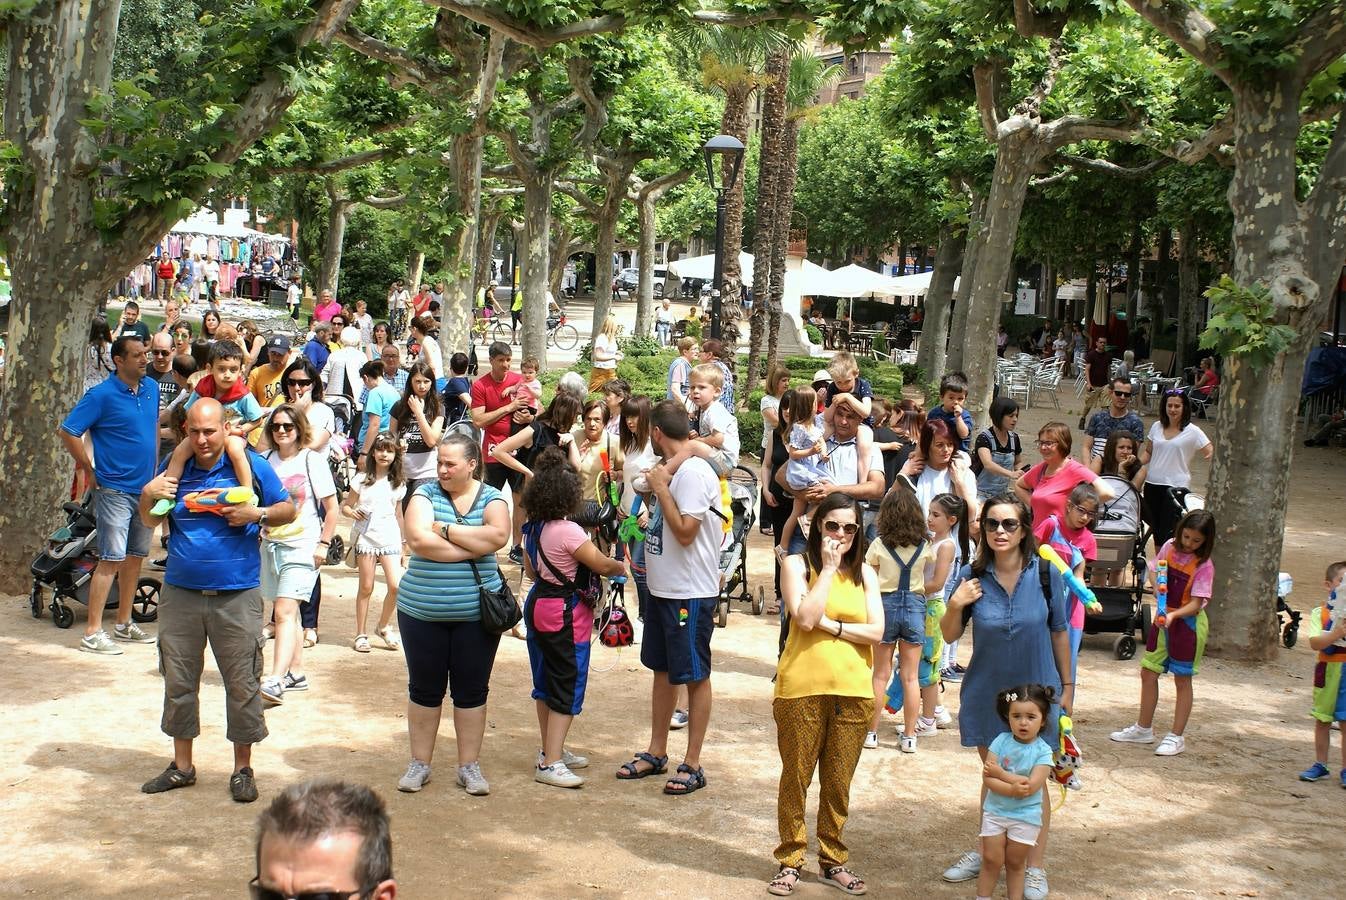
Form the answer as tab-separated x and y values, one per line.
703	267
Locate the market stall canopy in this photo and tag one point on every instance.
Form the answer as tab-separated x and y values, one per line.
208	225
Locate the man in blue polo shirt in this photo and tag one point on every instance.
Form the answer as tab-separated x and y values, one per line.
121	417
211	595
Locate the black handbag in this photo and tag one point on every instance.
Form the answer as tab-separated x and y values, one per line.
499	609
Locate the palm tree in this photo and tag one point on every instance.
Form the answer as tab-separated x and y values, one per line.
809	74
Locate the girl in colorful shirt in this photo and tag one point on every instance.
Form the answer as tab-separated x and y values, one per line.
1177	645
1014	771
1070	537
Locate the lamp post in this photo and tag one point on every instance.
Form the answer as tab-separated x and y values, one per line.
724	158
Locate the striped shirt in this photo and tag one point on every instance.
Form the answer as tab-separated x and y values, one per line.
447	592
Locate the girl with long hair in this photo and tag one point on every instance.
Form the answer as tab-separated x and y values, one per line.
375	503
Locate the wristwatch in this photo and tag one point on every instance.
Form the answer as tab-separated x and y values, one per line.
261	520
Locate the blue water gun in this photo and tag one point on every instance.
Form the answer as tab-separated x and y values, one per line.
1073	582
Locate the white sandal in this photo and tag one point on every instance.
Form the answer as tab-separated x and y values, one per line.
391	640
362	643
310	637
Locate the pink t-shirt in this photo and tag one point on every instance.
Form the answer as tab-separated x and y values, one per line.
324	313
1050	494
1072	546
1203	580
560	539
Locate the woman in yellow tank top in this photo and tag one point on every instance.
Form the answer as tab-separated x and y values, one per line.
824	695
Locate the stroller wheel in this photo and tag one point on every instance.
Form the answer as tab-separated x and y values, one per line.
1124	647
723	610
62	616
145	603
1290	635
35	602
759	602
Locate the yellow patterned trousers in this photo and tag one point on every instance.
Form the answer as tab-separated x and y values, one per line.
825	733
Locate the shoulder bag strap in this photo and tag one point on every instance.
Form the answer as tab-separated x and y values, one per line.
564	583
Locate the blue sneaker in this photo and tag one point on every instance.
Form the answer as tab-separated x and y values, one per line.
1343	778
1317	771
951	674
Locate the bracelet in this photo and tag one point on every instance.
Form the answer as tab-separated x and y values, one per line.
1067	684
324	543
838	629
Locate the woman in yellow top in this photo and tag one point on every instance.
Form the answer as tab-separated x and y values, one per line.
824	690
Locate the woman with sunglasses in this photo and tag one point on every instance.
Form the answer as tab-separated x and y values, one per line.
291	554
1017	606
1170	446
1046	486
824	693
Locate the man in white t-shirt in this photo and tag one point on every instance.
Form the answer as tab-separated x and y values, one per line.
682	559
865	483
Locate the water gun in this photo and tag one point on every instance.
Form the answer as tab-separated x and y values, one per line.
613	491
1073	582
1161	593
630	531
1069	758
213	500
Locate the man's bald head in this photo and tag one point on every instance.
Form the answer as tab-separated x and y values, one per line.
161	351
205	430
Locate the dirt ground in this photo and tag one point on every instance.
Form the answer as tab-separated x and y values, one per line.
1228	818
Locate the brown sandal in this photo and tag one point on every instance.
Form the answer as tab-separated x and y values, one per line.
779	886
854	888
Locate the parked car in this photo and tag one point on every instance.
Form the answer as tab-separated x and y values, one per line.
628	281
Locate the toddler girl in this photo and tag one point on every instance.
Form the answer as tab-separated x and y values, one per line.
375	503
1015	769
1177	644
948	529
807	465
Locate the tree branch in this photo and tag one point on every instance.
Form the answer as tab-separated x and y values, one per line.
1189	152
1073	129
579	72
590	205
1103	167
332	166
1322	40
1032	104
986	77
1189	28
490	81
409	69
483	13
1051	179
655	187
384	202
1329	192
1029	23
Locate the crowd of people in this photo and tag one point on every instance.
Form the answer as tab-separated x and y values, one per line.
895	529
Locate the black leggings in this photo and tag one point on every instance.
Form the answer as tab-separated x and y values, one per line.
452	657
1162	511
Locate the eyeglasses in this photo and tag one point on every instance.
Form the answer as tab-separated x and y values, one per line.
258	892
1009	526
299	382
846	528
1087	513
1046	443
282	426
1122	393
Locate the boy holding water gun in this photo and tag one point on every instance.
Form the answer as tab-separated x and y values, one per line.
1074	543
1327	636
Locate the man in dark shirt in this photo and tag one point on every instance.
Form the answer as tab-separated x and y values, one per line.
130	323
1097	361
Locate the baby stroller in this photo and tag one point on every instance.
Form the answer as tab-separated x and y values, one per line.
1289	629
343	408
1120	534
67	564
733	552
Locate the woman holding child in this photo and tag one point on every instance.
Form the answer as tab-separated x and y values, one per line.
824	697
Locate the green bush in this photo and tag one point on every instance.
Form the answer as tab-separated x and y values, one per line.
749	433
694	329
880	343
814	334
639	346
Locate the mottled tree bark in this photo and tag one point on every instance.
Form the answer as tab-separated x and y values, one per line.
1189	294
735	123
646	199
976	239
932	352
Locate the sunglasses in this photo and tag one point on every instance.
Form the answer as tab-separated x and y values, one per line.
1009	526
1122	393
282	426
162	352
847	528
299	382
257	892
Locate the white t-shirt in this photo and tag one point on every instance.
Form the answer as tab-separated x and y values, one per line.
768	402
293	294
321	418
636	463
378	500
305	476
692	572
399	299
716	419
609	347
1170	461
433	356
663	315
366	325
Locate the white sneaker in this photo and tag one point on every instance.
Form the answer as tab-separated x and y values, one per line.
680	719
926	727
1134	734
942	717
1171	745
907	743
131	633
1035	884
273	690
470	777
871	740
417	777
572	760
557	774
967	868
100	643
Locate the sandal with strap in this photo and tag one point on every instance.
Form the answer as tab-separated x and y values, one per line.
694	781
630	771
362	643
310	637
779	886
854	887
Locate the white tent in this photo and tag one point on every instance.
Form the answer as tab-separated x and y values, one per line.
848	281
206	224
703	267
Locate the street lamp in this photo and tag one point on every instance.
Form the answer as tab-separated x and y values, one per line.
724	157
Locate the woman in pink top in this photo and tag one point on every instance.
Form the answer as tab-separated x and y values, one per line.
326	307
1046	486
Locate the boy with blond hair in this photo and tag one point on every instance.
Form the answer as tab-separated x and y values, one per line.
714	429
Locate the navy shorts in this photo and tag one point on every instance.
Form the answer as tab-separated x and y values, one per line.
676	639
903	617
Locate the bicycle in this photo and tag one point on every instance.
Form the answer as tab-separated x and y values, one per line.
560	334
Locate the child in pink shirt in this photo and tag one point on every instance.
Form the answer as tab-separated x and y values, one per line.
1070	537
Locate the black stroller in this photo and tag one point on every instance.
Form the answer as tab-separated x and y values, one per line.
734	551
1120	534
67	564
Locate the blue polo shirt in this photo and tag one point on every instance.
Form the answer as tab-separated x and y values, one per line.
123	423
205	552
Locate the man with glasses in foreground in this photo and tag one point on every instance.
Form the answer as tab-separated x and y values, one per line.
1117	416
324	840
